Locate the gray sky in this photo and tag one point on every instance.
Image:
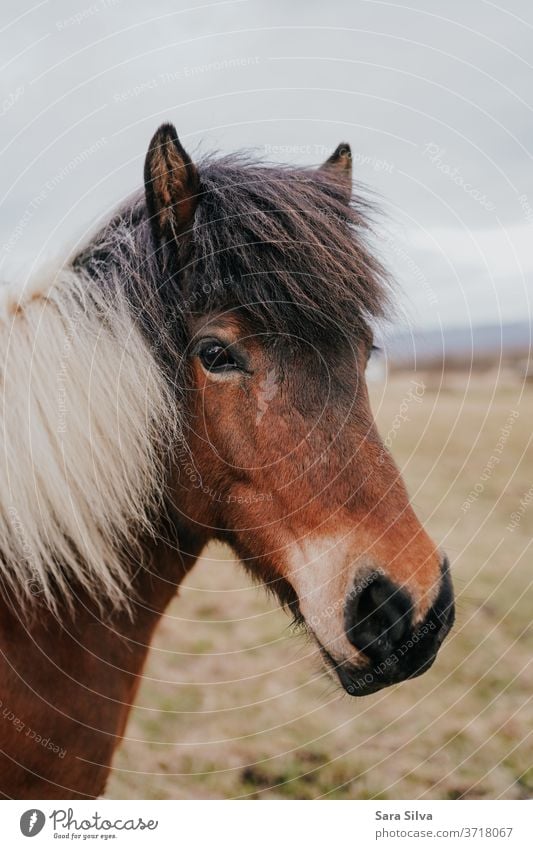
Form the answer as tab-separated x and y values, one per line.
434	97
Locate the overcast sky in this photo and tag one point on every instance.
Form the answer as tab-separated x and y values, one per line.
434	97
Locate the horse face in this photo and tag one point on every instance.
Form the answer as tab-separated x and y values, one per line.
287	466
283	459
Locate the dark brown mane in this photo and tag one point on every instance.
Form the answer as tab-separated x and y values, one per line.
281	244
293	251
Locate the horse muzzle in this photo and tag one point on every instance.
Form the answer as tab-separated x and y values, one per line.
378	622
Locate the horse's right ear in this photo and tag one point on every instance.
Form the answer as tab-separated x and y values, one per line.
171	186
339	167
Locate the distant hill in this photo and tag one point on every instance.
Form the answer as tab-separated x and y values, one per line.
459	347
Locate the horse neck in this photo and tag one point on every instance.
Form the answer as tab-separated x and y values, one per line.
71	683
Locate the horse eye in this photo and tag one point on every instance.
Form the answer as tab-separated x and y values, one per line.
215	357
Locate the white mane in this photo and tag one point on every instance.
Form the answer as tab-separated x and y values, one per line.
84	410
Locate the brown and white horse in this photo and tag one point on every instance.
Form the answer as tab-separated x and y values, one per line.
197	372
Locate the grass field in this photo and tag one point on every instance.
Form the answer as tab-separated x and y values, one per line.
235	705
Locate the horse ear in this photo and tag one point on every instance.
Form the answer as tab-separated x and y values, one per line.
171	186
339	166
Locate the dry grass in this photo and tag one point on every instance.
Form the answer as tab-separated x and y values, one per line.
234	705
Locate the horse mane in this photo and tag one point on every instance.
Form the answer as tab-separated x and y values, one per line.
91	361
284	246
83	412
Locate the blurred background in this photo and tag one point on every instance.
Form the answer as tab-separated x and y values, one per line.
436	101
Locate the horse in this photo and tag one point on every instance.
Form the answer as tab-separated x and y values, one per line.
195	372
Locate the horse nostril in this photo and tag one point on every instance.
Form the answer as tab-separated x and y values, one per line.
378	617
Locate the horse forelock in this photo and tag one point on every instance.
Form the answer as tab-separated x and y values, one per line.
284	246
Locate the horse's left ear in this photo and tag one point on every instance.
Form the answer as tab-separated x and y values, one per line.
171	185
339	165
